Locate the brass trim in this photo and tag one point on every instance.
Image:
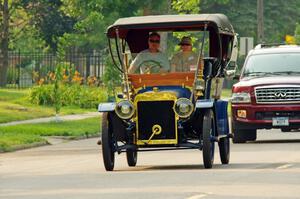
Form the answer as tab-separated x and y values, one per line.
146	142
156	96
192	110
129	116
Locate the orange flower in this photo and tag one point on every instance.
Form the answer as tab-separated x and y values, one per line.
77	73
52	76
65	77
41	81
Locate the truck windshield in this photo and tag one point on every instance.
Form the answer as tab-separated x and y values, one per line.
272	64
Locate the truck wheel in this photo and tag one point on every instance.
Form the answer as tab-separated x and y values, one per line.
131	155
224	148
242	135
208	130
286	129
107	139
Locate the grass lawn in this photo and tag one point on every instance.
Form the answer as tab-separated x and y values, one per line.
226	93
18	136
15	105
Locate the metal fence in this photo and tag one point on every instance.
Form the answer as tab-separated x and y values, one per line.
26	68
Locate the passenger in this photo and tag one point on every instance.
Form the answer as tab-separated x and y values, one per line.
150	60
185	60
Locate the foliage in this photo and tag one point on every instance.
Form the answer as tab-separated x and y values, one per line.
297	33
12	137
56	90
112	76
47	18
24	34
74	95
15	105
186	6
82	23
279	16
93	17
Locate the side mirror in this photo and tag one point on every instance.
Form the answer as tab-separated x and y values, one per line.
230	73
236	77
230	69
232	66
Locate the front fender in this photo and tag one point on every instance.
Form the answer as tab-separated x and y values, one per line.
205	103
106	107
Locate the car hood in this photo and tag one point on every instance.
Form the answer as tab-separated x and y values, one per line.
273	80
178	90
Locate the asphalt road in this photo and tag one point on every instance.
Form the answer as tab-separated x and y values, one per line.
268	168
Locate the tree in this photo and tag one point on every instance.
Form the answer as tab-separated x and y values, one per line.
93	18
47	18
279	16
297	33
186	6
4	39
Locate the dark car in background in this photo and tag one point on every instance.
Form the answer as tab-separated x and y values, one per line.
268	92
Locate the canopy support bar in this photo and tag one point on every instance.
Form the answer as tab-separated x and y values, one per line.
112	56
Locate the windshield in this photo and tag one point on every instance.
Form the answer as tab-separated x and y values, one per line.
272	64
169	51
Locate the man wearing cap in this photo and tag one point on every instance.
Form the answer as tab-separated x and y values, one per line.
151	60
186	59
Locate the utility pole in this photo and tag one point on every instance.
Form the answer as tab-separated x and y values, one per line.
260	21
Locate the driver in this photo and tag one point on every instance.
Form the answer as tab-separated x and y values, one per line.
150	60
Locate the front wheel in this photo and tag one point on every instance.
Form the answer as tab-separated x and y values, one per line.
242	135
107	139
131	155
208	131
224	148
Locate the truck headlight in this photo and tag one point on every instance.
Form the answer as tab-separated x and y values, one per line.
242	97
184	107
124	109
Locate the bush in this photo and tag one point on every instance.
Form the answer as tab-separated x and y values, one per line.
42	95
71	95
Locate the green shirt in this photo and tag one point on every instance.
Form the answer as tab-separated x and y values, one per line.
147	62
184	62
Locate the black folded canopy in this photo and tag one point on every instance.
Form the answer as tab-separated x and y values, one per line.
219	22
135	30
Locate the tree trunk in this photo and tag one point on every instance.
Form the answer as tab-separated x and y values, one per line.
4	44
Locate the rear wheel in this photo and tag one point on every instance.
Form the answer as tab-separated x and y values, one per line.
242	135
131	155
107	139
208	130
286	129
224	148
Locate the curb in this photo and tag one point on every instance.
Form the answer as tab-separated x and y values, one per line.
46	142
25	146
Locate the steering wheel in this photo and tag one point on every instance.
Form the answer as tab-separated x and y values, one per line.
149	66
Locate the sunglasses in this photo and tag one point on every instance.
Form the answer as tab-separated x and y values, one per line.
154	41
185	44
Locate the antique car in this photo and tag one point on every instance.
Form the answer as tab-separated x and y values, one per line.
168	110
267	95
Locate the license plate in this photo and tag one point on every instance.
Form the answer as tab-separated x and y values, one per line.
280	121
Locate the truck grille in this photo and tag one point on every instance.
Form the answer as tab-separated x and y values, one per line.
278	95
156	113
268	115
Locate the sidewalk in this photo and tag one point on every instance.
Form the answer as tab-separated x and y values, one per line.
50	119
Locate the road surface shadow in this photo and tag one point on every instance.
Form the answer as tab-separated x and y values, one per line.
230	166
274	141
176	167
